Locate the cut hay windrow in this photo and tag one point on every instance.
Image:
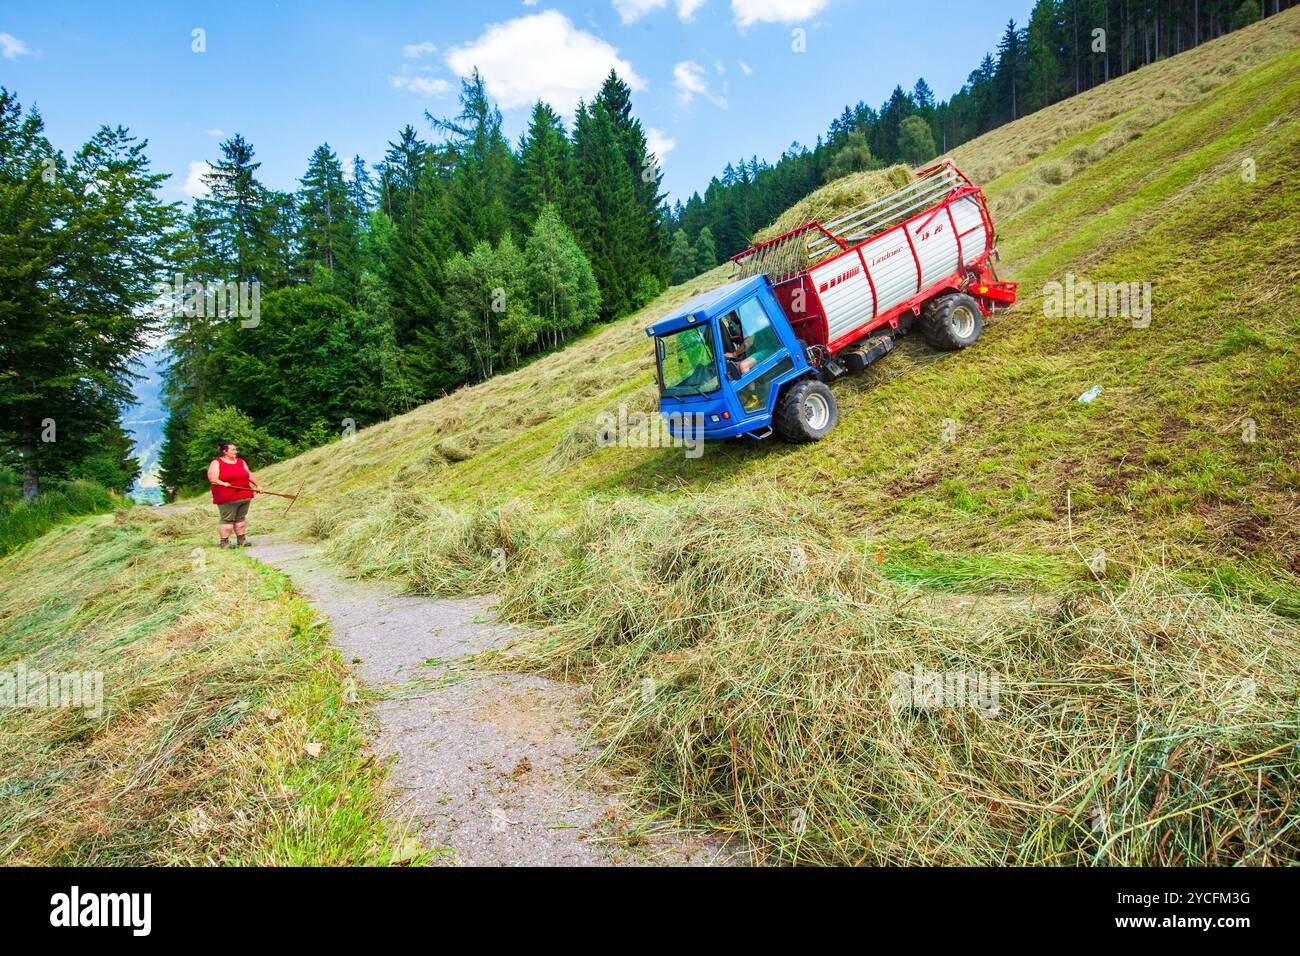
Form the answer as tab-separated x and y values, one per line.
748	675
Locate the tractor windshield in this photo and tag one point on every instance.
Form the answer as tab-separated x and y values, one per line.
687	363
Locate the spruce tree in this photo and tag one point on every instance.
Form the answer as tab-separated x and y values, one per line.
483	168
361	188
610	225
681	258
236	208
544	166
706	253
328	221
82	246
615	98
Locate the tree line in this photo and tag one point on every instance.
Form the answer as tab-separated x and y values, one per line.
82	240
1057	54
456	257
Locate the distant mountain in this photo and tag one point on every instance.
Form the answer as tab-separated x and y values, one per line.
145	422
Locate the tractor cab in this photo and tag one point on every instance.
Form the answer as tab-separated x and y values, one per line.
725	356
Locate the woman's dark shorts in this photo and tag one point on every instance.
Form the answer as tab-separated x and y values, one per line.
233	512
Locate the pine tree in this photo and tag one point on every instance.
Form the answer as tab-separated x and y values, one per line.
399	174
544	166
1044	52
615	98
681	258
409	241
482	169
898	107
922	95
328	221
414	271
380	354
82	246
279	261
706	253
236	209
361	188
1009	70
610	225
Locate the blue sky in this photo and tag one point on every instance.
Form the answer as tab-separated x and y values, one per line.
713	79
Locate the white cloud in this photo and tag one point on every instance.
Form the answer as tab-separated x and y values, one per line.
659	143
689	81
216	133
416	50
13	47
541	57
418	84
630	11
745	67
749	12
194	186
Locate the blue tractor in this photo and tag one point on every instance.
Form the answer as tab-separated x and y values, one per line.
725	358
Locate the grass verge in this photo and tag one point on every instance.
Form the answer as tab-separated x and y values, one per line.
24	521
228	731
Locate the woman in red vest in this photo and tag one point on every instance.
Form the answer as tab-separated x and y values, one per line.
232	483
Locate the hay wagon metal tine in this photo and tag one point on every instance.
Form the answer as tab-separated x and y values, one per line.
926	184
858	224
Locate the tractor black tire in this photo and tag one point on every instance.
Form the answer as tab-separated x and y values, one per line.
805	412
951	322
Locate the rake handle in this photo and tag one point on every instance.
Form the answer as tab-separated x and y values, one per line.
261	491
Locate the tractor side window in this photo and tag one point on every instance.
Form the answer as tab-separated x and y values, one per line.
761	340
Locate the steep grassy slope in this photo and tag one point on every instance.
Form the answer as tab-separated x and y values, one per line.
1150	201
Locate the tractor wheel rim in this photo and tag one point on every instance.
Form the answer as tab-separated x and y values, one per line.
818	412
963	320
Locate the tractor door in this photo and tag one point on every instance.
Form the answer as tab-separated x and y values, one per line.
755	358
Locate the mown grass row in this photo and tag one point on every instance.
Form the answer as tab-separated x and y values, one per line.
218	685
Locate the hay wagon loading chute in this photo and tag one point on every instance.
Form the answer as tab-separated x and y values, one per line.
821	300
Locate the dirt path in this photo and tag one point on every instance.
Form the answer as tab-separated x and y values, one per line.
488	765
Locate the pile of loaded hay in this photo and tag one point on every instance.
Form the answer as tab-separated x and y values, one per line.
846	211
837	198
